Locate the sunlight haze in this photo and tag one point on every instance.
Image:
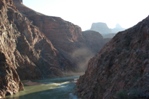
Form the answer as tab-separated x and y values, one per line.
85	12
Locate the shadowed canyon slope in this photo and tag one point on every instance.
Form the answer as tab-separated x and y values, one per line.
94	40
26	53
34	46
121	69
66	37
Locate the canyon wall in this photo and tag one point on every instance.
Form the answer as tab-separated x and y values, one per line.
66	37
35	46
120	70
25	52
9	79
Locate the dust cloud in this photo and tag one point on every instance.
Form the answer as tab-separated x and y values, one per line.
81	57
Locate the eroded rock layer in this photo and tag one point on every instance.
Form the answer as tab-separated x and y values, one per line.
66	37
121	68
9	80
35	46
26	51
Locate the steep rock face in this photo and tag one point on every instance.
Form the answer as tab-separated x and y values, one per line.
25	51
66	37
61	33
9	80
35	55
94	40
28	53
121	68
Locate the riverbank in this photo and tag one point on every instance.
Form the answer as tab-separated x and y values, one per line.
55	88
66	74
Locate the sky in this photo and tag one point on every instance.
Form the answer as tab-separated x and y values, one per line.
85	12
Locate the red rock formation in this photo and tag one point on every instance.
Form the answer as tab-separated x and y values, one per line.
121	68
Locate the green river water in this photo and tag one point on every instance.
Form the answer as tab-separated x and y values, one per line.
56	88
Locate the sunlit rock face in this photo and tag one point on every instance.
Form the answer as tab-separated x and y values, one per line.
9	80
35	55
25	51
66	37
121	68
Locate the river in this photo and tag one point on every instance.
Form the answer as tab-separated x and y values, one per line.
56	88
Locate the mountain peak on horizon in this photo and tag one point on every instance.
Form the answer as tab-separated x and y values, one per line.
103	28
118	26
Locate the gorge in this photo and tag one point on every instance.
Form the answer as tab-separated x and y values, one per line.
121	69
44	56
36	46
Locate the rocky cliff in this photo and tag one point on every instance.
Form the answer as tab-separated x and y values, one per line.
35	55
25	51
29	52
120	70
9	80
66	37
61	33
94	40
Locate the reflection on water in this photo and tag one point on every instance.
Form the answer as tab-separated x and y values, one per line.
57	88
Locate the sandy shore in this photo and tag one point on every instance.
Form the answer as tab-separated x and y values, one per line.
30	83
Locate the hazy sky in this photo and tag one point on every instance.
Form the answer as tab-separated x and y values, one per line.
84	12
